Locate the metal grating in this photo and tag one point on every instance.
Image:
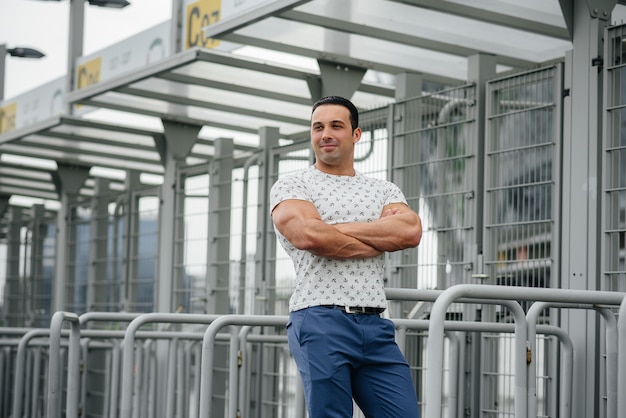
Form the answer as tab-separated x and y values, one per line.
614	162
435	165
521	171
522	163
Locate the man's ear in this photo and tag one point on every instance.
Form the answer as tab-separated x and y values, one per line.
356	135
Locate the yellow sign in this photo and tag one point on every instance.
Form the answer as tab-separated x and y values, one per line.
201	14
89	73
7	117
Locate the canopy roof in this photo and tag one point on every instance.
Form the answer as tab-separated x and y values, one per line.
275	59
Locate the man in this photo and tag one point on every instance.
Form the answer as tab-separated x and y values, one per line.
336	224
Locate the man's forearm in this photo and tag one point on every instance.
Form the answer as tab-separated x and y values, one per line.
389	233
326	240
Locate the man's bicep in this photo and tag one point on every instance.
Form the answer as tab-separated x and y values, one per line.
291	214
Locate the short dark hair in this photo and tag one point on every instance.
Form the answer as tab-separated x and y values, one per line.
341	101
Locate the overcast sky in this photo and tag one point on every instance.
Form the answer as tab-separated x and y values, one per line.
43	25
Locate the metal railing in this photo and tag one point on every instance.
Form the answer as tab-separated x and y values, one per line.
125	367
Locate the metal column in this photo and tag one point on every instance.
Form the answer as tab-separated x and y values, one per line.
68	180
218	268
265	271
179	139
481	68
581	183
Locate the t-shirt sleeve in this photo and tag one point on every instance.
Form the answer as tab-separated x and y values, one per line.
394	195
288	188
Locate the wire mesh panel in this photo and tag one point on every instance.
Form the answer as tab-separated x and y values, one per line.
192	239
244	230
79	238
13	293
521	171
27	265
42	274
522	163
434	163
191	242
143	258
105	251
614	162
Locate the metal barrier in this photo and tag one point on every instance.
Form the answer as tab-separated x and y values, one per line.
499	293
611	358
129	343
126	356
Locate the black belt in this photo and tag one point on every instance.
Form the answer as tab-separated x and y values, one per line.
365	310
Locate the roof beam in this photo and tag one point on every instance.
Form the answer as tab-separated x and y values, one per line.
489	16
210	105
205	82
397	37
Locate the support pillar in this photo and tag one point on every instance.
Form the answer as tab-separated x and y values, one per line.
265	276
218	260
582	180
68	179
174	148
336	79
75	46
481	68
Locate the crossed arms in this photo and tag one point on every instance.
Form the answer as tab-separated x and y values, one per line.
398	228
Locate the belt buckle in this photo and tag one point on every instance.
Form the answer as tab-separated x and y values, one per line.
351	311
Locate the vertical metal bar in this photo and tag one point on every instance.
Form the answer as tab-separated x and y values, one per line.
31	381
54	365
84	374
170	377
265	272
243	398
108	381
218	275
233	375
139	395
197	370
453	372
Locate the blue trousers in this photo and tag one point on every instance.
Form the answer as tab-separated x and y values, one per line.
342	356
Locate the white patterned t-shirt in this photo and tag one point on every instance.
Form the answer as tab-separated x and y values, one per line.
338	199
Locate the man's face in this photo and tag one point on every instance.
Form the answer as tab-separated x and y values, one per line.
332	136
